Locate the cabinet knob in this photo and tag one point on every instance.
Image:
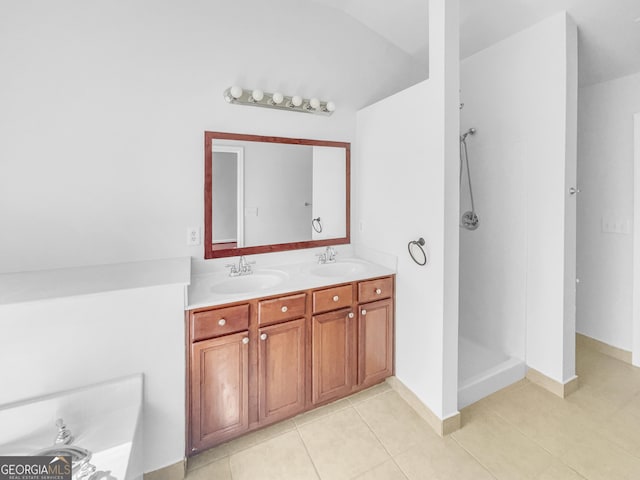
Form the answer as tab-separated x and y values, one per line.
222	322
263	336
363	312
245	340
284	309
351	315
336	298
378	291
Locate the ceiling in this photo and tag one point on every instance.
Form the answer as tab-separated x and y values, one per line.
609	35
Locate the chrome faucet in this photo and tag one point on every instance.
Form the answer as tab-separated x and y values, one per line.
329	256
64	434
243	267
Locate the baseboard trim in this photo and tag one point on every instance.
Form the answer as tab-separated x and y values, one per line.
604	348
441	426
562	390
176	471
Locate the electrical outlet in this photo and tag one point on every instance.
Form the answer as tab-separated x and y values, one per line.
193	236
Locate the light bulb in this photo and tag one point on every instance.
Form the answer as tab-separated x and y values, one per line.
296	100
314	103
257	95
277	98
330	106
235	91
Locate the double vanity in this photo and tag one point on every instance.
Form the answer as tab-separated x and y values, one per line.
278	341
267	343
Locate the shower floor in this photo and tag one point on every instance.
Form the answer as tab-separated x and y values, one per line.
483	371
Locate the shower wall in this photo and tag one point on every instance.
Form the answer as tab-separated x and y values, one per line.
512	267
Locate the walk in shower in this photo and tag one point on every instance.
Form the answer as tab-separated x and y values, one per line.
491	303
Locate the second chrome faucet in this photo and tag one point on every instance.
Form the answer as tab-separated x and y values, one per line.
329	256
243	267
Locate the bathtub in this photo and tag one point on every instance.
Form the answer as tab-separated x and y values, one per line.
105	419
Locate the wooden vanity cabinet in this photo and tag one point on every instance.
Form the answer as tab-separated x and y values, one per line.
256	362
219	389
375	342
333	347
281	355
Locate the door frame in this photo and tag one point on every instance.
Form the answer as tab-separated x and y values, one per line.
636	242
239	153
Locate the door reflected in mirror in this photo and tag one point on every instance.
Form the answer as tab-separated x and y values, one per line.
268	194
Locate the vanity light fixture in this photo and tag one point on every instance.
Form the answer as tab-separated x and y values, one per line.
256	96
235	92
296	103
314	104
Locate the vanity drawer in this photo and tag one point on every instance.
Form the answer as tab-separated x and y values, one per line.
219	321
332	298
377	289
281	308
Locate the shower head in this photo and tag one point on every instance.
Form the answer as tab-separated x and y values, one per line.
471	131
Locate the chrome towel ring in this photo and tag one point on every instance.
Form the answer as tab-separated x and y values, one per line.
416	251
317	226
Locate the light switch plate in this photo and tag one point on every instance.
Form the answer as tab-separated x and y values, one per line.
612	223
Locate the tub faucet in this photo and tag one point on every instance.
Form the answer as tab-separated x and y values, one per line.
64	434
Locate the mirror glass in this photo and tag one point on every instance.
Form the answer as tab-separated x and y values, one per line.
267	194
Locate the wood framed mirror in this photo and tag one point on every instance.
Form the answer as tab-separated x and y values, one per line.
272	194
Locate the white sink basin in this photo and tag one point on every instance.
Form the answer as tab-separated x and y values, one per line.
338	269
248	283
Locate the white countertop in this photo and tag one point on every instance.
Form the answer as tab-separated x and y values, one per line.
205	290
67	282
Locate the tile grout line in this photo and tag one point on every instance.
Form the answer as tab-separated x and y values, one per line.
306	449
476	459
349	404
592	431
378	439
321	416
535	442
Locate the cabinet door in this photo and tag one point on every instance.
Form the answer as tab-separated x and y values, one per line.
281	362
375	342
333	359
219	389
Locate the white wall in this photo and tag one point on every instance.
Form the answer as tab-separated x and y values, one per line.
329	194
55	345
105	106
605	177
277	184
405	178
512	269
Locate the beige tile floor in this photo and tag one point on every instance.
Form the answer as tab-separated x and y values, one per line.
522	432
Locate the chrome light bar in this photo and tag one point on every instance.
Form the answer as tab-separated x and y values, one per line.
295	103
